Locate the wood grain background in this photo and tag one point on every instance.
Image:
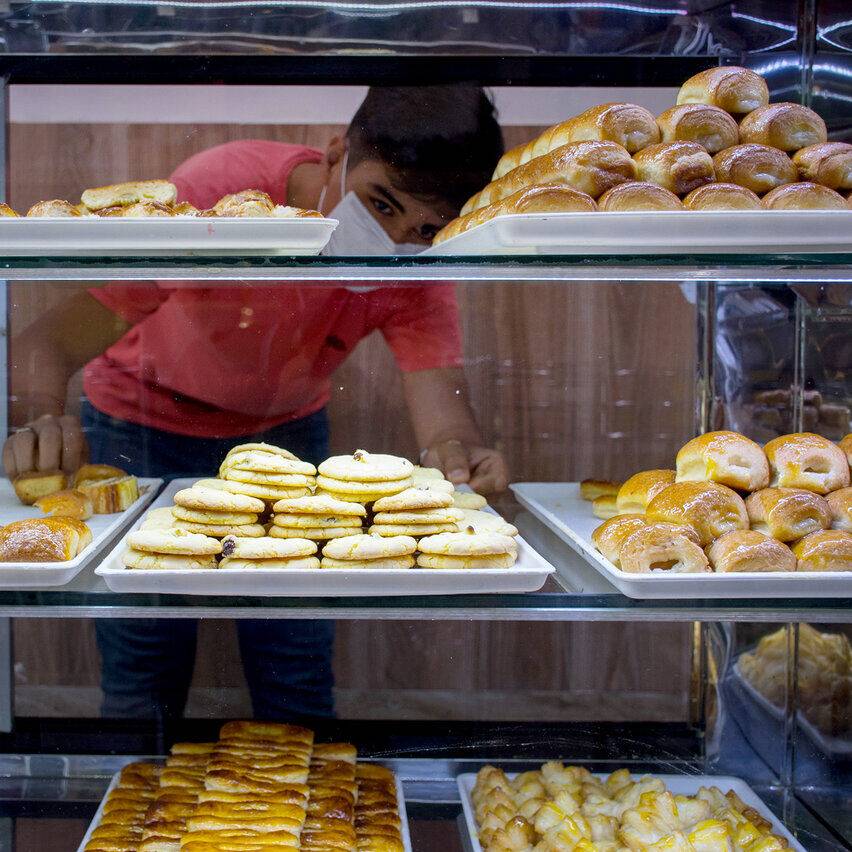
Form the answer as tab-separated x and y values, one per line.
569	380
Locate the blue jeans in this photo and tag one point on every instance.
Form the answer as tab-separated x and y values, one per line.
147	663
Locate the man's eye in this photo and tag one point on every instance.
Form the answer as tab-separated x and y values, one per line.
381	207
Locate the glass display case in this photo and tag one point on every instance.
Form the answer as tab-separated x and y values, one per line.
583	365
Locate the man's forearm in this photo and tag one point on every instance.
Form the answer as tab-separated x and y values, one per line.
38	380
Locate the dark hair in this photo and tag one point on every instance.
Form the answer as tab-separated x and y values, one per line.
438	142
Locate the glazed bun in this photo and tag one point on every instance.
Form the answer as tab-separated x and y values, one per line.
785	126
733	89
756	167
709	508
725	457
747	550
611	534
721	196
604	507
845	445
637	195
787	513
661	547
840	506
803	196
828	163
830	550
591	489
638	491
510	160
678	167
55	208
711	127
7	212
805	460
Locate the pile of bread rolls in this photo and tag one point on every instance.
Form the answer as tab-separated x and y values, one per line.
732	506
145	199
722	147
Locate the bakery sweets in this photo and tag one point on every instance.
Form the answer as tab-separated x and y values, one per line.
828	550
721	196
785	126
172	549
840	505
708	125
640	489
661	547
709	508
266	552
43	540
466	550
845	445
415	512
756	167
593	488
369	551
638	195
679	167
630	125
809	461
787	513
131	192
364	477
66	504
248	203
803	196
217	513
611	534
110	495
37	484
55	208
96	472
725	457
827	163
734	89
749	550
604	507
316	517
7	212
264	473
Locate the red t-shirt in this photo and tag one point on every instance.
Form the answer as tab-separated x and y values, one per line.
233	359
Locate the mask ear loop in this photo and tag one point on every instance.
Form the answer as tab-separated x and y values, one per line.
324	191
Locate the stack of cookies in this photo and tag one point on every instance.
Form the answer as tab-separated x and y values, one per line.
486	522
170	550
266	472
415	512
431	478
364	477
216	513
268	552
369	551
319	517
468	549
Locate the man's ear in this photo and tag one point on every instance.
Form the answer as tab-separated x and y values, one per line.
335	150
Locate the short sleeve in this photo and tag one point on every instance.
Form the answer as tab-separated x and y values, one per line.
421	326
132	302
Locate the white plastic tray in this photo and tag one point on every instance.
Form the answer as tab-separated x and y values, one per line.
528	574
400	800
560	507
163	236
33	575
657	232
685	785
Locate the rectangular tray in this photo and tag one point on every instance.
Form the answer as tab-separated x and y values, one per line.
685	785
400	799
35	575
528	574
657	232
560	507
92	236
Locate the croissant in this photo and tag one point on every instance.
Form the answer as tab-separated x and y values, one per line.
756	167
721	196
785	126
828	163
709	126
733	89
638	195
803	196
679	167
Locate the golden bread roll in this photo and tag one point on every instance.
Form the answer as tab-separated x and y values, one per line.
785	126
809	461
131	192
734	89
55	208
803	196
711	127
604	507
679	167
725	457
660	547
510	160
629	125
709	508
611	534
111	495
827	163
66	504
37	484
590	167
43	540
721	196
845	445
95	472
747	550
184	208
840	506
590	489
248	203
7	211
756	167
143	210
830	550
787	513
638	491
638	195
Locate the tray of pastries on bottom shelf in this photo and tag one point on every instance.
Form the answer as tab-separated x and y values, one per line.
824	684
144	217
732	520
262	786
723	170
52	523
363	524
558	808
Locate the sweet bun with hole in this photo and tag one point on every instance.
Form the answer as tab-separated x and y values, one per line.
840	506
809	461
638	195
787	513
711	127
759	168
747	550
660	547
732	88
604	507
725	457
785	126
721	196
829	550
637	492
827	163
845	445
678	167
803	196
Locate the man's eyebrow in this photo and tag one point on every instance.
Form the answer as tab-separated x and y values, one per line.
391	199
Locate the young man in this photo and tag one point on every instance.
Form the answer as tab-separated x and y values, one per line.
175	373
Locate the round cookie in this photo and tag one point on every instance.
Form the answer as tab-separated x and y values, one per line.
361	499
133	558
197	516
266	548
362	466
389	564
468	543
434	560
208	499
263	462
444	486
216	531
426	516
318	504
315	521
413	500
419	474
262	492
173	541
314	533
487	522
469	500
270	480
254	564
365	547
158	519
414	530
263	448
372	489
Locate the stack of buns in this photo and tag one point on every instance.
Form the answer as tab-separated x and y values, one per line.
99	489
722	147
731	505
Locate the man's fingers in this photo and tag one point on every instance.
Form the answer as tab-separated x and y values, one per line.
48	443
490	474
23	448
73	443
453	461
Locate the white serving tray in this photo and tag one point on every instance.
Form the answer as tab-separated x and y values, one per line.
684	785
657	232
559	506
528	574
36	575
179	235
400	800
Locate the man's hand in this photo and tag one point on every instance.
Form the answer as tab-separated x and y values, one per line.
483	469
49	443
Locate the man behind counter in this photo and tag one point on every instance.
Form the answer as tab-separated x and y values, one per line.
175	373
